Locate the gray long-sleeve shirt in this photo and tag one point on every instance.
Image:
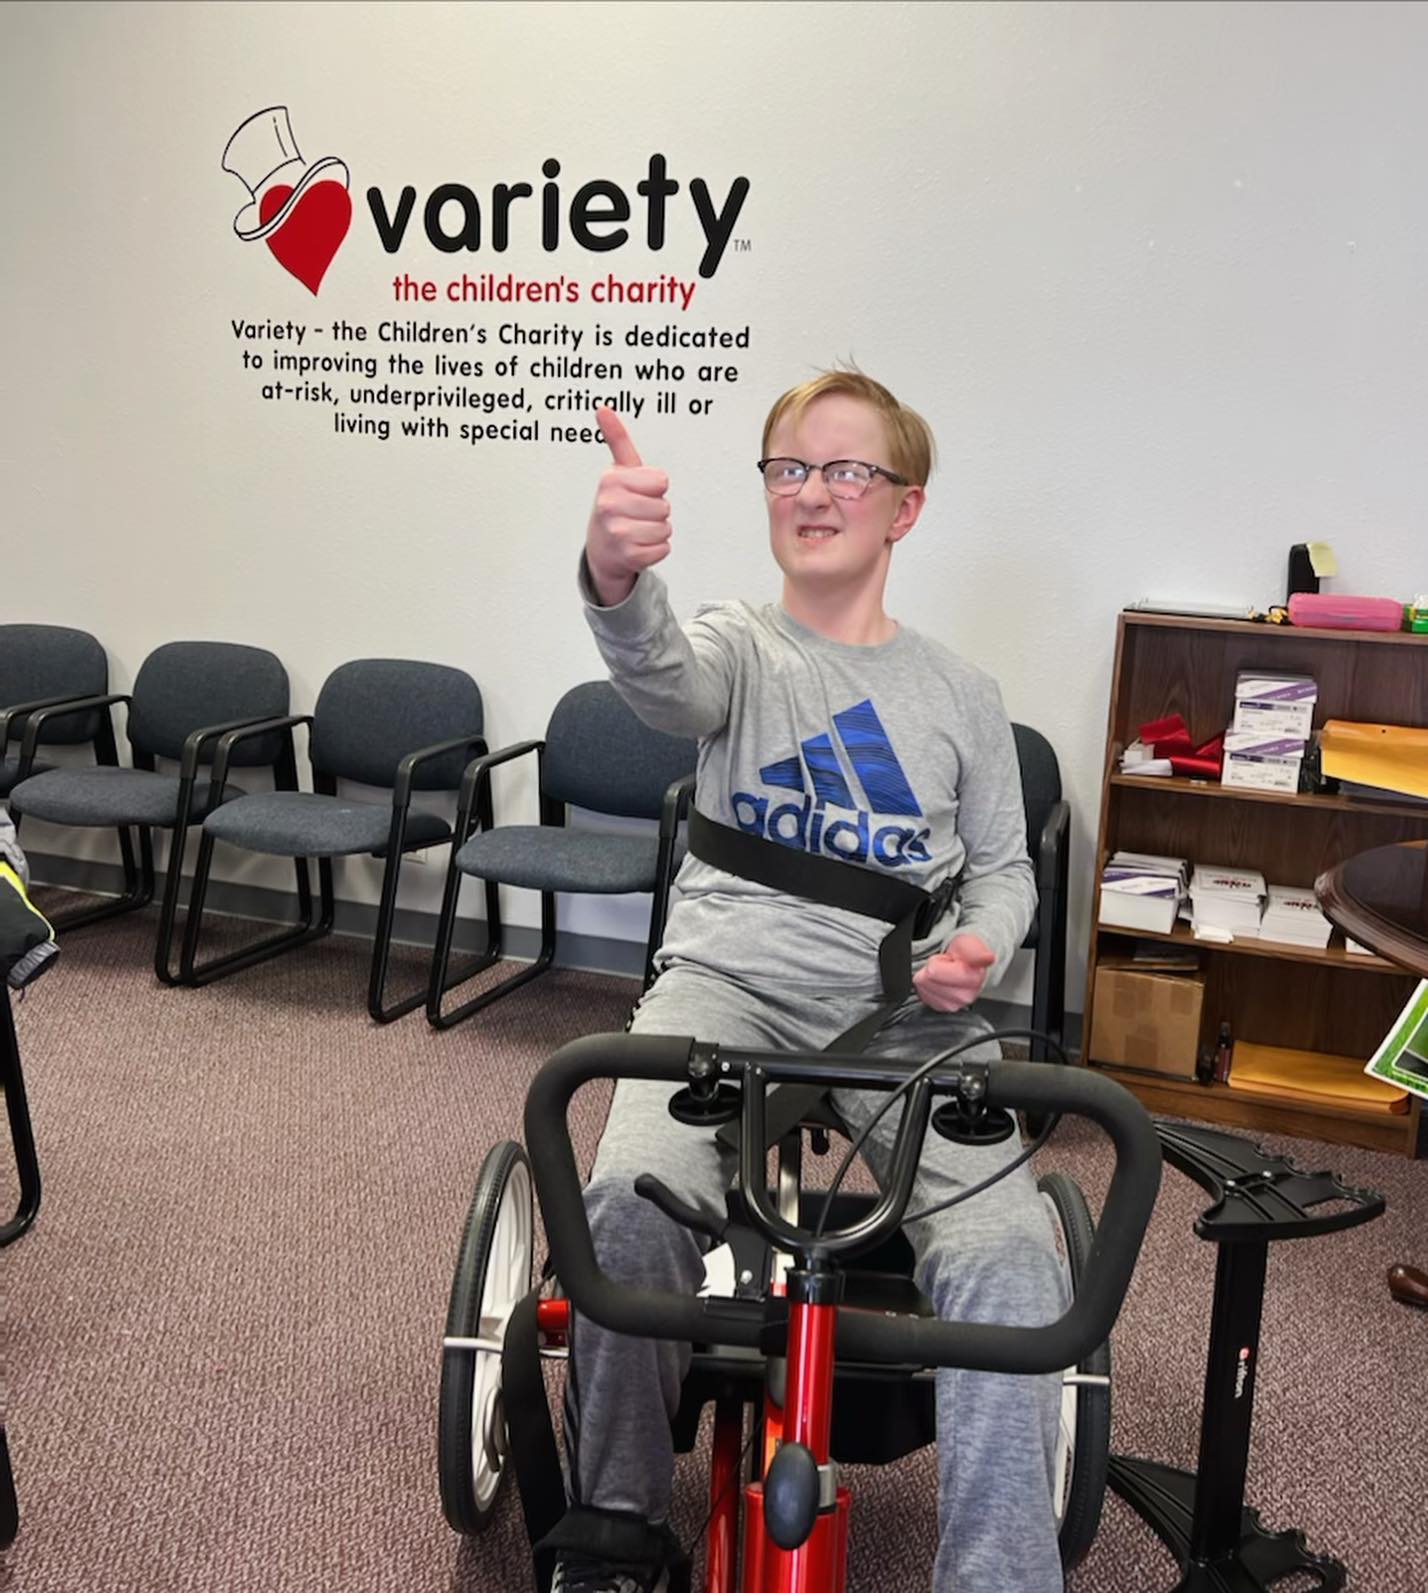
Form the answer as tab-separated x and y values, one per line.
897	757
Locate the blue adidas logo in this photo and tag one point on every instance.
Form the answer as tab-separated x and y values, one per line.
817	773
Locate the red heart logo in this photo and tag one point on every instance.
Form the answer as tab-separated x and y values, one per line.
313	232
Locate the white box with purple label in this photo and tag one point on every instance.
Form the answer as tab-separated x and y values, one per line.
1262	762
1278	705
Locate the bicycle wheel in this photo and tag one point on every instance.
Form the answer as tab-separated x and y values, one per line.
493	1273
1083	1448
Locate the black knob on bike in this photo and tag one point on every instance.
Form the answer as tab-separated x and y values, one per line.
791	1495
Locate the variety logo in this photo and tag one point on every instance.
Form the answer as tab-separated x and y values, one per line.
817	773
301	212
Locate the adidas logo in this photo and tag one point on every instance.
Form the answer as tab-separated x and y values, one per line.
820	773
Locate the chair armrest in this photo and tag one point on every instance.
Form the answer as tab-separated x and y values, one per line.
676	805
60	709
402	789
20	709
1051	853
194	743
476	783
245	732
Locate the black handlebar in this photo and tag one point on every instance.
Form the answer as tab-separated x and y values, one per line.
862	1336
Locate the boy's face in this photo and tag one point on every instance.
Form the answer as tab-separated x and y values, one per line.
821	542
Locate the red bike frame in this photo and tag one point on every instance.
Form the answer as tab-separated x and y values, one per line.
821	1564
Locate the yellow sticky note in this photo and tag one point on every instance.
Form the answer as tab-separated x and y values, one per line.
1321	559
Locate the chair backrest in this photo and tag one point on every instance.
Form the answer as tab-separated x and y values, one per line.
1040	791
184	686
1040	781
600	756
372	712
38	661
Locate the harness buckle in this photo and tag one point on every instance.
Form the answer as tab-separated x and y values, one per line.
930	913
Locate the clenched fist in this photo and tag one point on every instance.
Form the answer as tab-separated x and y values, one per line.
629	526
952	979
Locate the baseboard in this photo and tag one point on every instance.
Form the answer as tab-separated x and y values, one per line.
592	953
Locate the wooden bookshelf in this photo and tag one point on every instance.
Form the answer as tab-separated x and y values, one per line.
1329	1000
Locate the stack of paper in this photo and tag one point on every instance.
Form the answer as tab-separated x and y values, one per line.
1142	891
1292	915
1137	758
1225	903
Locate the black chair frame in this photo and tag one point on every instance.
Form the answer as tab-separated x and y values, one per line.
106	754
139	880
22	1134
476	809
1051	861
310	928
105	750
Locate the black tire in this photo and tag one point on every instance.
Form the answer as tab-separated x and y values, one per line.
493	1273
1086	1410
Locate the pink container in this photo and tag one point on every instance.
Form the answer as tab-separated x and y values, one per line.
1329	611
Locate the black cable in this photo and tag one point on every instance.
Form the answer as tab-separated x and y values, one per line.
916	1077
1004	1171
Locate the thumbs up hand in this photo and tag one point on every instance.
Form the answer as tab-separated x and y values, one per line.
952	979
629	525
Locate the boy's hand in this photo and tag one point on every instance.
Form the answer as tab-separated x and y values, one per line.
952	979
629	526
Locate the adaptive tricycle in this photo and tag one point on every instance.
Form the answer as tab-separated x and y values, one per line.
835	1359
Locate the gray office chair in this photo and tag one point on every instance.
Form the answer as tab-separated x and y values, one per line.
391	723
42	666
595	755
185	696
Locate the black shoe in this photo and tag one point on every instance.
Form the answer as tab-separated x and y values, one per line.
613	1551
579	1573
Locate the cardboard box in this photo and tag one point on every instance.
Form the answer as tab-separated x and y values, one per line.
1272	705
1147	1020
1262	762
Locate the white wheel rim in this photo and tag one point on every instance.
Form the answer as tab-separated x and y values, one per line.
1065	1463
1065	1452
507	1279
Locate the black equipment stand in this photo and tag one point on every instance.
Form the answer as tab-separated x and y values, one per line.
22	1136
1201	1515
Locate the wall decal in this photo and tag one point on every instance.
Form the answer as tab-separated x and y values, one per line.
301	212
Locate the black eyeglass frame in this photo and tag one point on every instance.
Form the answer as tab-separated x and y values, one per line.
808	469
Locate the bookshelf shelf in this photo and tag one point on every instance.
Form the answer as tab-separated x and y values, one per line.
1306	1116
1270	993
1305	801
1334	955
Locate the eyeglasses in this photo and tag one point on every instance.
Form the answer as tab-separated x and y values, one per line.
844	478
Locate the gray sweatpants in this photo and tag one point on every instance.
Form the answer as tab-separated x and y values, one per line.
991	1259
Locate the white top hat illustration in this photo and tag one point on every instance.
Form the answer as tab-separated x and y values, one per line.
262	154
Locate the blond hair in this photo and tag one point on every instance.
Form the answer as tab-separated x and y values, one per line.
911	450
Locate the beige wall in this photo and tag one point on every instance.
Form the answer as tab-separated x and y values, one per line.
1154	272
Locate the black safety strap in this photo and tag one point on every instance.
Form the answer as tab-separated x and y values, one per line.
620	1539
531	1435
912	912
550	1525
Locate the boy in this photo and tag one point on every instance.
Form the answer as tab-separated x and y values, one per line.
825	725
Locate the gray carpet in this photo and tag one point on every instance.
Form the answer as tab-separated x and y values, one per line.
222	1336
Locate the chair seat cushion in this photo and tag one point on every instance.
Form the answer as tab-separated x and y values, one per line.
111	796
551	858
11	767
307	824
